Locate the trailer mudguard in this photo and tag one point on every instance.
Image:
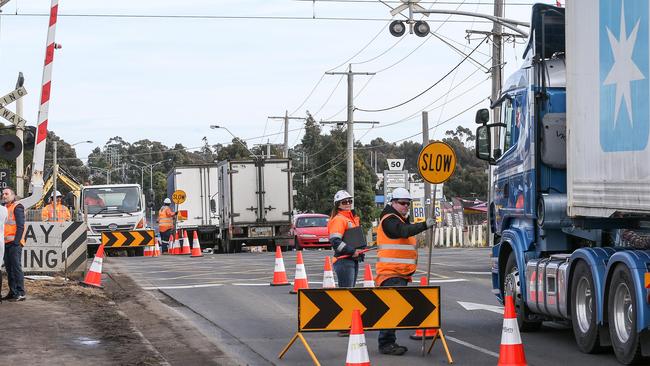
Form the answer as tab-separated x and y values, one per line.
636	261
519	237
596	259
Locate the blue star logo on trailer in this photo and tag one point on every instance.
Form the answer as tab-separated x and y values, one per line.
624	75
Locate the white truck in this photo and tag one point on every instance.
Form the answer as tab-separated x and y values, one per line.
199	182
255	203
111	207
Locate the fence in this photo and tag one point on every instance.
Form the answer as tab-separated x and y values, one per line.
471	236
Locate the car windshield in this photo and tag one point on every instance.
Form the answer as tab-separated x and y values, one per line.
312	222
112	199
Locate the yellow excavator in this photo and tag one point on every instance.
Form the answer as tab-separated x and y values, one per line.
68	180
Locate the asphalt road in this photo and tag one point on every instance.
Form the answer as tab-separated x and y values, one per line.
229	298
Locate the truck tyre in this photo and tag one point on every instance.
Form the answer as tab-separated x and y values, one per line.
621	314
583	309
297	244
512	286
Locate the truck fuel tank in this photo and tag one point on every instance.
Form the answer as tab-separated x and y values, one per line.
546	285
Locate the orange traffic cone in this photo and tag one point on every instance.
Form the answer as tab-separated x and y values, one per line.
170	243
176	249
357	349
147	252
367	277
511	352
156	248
94	274
300	280
328	275
196	246
428	333
279	274
186	244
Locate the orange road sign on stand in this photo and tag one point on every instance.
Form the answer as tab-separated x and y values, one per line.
124	239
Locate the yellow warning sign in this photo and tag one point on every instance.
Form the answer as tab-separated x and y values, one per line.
178	196
437	162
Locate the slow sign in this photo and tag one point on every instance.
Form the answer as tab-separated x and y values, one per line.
179	197
437	162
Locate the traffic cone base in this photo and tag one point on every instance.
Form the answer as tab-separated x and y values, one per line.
428	333
300	280
94	275
511	351
156	248
328	274
357	348
279	273
147	252
196	246
367	276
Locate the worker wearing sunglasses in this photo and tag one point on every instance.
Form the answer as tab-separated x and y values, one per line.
397	255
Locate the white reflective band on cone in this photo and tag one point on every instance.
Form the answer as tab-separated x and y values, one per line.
510	333
357	349
279	265
96	266
300	271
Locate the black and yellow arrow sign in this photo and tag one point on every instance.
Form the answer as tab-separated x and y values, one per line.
381	308
120	239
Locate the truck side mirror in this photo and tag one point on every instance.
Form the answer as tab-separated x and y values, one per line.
213	205
482	116
483	145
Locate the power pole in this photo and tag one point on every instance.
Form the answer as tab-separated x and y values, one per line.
286	119
20	131
350	124
427	186
55	177
497	62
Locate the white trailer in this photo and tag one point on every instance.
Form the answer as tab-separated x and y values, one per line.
199	182
255	203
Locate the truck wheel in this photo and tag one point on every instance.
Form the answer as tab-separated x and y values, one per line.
621	311
583	309
297	244
512	286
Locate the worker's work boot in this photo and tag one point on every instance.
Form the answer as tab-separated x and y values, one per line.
393	349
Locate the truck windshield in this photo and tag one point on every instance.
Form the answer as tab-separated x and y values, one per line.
112	199
312	222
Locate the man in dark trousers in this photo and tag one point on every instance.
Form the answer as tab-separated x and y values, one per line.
397	255
13	237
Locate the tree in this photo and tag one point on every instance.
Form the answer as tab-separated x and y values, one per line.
470	178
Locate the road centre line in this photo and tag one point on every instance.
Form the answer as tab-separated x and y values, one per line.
474	347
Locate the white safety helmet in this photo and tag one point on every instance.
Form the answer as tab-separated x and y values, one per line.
167	201
401	194
341	195
58	194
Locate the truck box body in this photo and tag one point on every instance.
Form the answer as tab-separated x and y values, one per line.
608	108
200	185
255	201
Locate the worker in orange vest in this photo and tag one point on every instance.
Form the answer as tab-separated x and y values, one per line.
165	223
397	255
14	234
62	212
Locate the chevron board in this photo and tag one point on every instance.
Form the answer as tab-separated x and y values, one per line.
381	308
121	239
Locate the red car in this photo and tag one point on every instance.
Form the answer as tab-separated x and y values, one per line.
310	231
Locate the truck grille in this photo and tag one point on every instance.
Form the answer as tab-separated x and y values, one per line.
102	228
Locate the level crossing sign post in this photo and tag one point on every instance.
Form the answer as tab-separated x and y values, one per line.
178	197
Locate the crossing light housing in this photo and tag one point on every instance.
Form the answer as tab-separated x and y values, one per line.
421	28
397	28
10	147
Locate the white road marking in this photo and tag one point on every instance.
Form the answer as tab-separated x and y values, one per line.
474	347
250	284
182	286
474	273
474	306
448	280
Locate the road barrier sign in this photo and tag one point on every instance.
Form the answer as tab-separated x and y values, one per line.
130	239
54	247
381	308
178	196
437	162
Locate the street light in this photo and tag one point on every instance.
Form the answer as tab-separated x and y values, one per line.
81	142
214	127
150	179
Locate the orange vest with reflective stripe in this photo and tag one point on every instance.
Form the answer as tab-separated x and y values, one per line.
11	227
165	219
395	257
62	213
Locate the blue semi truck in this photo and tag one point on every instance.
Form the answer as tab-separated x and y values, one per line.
569	202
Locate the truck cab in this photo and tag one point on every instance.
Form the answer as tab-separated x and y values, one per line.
112	207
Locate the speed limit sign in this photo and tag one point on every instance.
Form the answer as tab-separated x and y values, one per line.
178	196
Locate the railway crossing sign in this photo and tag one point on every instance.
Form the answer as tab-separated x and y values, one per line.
178	196
8	99
124	239
437	162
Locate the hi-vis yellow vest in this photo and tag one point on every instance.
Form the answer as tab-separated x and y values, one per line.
395	257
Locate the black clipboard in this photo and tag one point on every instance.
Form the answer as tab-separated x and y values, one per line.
355	237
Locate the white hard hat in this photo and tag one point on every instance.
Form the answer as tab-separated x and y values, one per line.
167	201
57	194
341	195
400	194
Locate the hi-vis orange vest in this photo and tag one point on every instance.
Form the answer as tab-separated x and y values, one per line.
62	213
395	257
10	226
165	219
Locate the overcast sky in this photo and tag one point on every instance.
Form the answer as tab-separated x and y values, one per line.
168	78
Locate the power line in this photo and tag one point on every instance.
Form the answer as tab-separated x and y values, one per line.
427	89
399	2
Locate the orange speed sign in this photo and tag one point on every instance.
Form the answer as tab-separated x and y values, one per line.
178	197
437	162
